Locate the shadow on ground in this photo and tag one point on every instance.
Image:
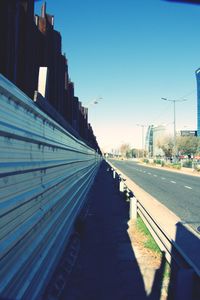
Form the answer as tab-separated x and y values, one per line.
106	267
184	281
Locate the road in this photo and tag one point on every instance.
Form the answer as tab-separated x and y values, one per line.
178	192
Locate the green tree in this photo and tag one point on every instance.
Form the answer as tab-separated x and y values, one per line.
188	145
166	143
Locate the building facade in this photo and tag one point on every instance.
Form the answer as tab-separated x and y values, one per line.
159	134
154	138
149	141
198	100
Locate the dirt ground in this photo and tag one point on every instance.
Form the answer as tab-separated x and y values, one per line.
148	260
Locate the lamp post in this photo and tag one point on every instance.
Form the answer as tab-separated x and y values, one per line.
88	104
94	101
142	126
174	105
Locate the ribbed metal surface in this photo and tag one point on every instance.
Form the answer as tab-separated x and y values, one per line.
45	174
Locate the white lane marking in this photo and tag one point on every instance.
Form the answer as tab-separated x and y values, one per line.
172	181
155	175
149	173
144	171
163	178
187	187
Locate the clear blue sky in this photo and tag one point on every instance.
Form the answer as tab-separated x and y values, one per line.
131	53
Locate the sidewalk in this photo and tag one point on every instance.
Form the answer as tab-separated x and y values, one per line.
106	268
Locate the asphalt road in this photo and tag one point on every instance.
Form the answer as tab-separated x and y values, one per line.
179	192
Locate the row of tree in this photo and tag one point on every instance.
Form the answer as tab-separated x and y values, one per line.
185	145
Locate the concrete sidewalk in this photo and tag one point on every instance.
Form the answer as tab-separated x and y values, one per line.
106	267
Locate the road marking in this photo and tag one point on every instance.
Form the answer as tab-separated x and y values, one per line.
155	175
163	178
187	187
173	181
144	171
149	173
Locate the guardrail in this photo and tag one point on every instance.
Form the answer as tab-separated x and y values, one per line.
187	276
45	175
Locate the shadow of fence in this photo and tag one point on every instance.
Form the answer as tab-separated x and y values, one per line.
184	279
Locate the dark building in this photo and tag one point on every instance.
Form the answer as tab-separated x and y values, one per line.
17	49
83	121
69	101
30	45
75	114
51	57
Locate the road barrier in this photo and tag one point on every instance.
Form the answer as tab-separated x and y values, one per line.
45	176
187	275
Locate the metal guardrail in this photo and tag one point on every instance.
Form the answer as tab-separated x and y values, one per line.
45	174
190	283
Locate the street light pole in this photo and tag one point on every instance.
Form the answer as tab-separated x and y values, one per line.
94	101
174	126
142	126
174	102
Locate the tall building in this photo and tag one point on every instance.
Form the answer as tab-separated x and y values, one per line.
154	138
198	101
159	134
149	141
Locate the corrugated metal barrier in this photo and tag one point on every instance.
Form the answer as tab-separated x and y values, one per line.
45	174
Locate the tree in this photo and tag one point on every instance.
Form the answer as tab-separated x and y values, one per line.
124	149
166	143
135	152
188	145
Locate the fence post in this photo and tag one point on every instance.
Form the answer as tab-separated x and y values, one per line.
133	208
121	185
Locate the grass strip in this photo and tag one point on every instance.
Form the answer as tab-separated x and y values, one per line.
150	243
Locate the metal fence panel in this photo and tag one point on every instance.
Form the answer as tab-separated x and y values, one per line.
45	174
